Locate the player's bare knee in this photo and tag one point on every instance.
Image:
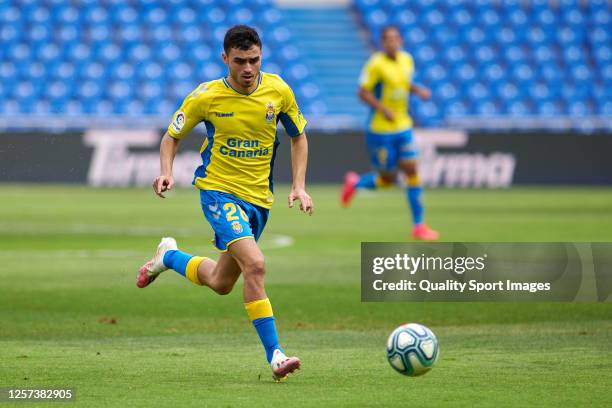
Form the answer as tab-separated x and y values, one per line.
409	167
388	178
224	288
254	269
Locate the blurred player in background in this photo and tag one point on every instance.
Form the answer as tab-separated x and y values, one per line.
241	112
385	85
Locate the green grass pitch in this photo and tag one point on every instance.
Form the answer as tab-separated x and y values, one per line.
71	315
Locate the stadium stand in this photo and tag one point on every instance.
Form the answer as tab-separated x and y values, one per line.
496	62
334	56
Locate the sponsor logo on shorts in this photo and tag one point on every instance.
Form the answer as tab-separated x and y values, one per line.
237	227
216	212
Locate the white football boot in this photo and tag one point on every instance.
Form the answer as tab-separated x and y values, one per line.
283	365
151	270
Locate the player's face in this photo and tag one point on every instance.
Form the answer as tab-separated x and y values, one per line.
244	65
392	41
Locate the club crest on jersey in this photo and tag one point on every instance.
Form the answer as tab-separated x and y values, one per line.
270	112
237	227
178	122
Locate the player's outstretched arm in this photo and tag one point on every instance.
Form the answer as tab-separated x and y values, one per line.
370	99
167	151
299	160
420	91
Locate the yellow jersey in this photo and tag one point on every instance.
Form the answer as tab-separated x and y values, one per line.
389	80
239	149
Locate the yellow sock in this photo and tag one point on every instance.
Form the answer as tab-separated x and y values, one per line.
413	180
258	309
382	183
260	314
191	272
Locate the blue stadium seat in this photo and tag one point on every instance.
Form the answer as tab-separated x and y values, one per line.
457	109
517	108
493	72
464	72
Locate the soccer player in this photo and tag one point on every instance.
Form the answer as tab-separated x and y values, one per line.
240	112
385	84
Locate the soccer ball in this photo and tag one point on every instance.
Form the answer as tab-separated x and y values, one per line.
412	349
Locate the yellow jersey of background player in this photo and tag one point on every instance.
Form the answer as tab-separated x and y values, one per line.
240	112
389	79
385	85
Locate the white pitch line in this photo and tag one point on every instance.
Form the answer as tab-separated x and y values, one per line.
94	229
278	240
72	253
268	242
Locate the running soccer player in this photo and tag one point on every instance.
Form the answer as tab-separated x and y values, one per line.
240	112
385	84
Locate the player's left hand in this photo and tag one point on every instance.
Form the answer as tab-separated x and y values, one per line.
305	200
161	184
425	93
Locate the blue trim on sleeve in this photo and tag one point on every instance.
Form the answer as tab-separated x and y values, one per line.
378	90
290	127
271	175
377	95
201	170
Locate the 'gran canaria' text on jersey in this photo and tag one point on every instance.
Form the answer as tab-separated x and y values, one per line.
243	148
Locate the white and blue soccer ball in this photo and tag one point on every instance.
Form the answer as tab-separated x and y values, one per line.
412	349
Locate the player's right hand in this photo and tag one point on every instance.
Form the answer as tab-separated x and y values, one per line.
388	114
162	184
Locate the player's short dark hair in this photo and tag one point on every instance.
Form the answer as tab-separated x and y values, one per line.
241	37
389	27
